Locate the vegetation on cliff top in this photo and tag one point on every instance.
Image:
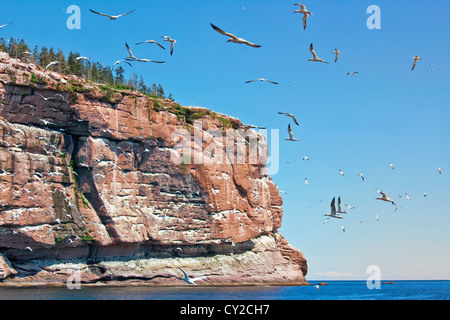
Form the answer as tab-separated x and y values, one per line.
95	71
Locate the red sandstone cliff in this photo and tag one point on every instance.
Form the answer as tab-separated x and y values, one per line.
88	183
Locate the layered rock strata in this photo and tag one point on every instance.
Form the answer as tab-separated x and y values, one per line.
92	179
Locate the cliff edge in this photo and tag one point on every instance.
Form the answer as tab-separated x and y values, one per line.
93	185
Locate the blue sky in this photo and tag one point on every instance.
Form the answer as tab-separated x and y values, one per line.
386	113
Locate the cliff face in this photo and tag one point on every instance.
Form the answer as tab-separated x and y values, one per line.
91	179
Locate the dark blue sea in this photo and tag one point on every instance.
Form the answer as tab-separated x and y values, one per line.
334	290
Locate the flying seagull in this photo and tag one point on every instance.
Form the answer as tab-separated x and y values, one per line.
261	79
151	41
391	165
235	39
305	12
384	197
352	73
337	53
189	280
1	27
291	135
440	170
110	16
333	214
315	57
51	64
172	42
416	58
361	175
289	115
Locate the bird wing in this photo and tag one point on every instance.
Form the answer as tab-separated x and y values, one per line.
223	32
414	64
293	118
124	14
250	81
340	204
313	52
101	14
272	82
6	24
159	45
184	273
172	43
305	17
291	135
333	207
251	44
301	6
129	50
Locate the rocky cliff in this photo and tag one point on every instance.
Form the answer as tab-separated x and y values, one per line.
90	183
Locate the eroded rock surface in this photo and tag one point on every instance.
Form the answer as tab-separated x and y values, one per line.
87	173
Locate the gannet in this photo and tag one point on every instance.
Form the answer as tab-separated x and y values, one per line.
384	197
333	214
289	115
151	41
110	16
261	79
291	135
315	57
235	39
172	42
305	12
340	210
337	53
416	58
189	280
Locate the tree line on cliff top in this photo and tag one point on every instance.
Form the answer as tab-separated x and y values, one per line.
94	71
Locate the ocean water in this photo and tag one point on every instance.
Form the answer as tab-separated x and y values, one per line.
335	290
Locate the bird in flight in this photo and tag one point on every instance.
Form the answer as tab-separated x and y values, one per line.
261	79
340	210
361	175
151	41
391	165
416	58
384	197
119	61
83	58
305	12
133	58
352	73
110	16
235	39
315	57
189	280
337	53
289	115
291	135
51	64
440	170
2	26
333	214
172	42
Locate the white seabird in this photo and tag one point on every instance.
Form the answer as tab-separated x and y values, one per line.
289	115
337	53
261	79
384	197
235	39
172	42
315	57
110	16
416	58
291	135
305	12
333	214
189	280
151	41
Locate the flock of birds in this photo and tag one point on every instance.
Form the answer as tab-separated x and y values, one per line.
334	213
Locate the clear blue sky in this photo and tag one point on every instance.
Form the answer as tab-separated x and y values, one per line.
387	113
